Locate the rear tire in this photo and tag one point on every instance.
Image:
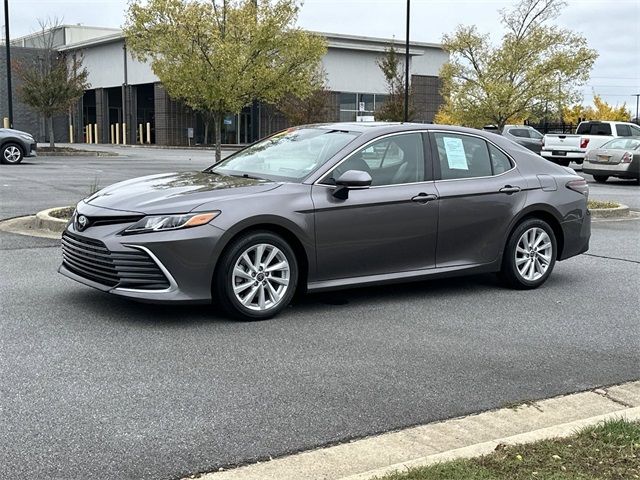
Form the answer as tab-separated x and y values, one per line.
530	255
601	178
256	277
12	154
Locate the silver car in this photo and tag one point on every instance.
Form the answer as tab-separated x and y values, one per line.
15	145
331	206
619	157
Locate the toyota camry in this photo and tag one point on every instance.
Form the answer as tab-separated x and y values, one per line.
331	206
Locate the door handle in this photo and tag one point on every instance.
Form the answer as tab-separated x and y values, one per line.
424	198
508	189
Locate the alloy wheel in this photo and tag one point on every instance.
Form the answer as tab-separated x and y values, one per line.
260	277
533	255
12	154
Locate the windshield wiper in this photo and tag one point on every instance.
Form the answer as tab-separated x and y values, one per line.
246	175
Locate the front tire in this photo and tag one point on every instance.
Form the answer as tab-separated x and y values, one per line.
601	178
530	255
257	276
12	154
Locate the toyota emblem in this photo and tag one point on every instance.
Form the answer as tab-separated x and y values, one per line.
82	222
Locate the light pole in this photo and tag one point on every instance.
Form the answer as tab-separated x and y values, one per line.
6	37
406	67
637	95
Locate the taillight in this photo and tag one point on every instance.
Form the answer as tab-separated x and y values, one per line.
627	157
579	186
584	142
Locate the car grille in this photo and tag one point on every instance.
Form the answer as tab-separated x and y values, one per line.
91	259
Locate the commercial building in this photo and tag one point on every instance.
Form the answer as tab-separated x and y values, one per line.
124	90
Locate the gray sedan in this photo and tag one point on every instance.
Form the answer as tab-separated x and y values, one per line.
15	145
525	135
619	157
324	207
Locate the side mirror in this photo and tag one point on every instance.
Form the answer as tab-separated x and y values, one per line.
351	180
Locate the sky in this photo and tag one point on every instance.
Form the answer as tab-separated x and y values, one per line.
611	27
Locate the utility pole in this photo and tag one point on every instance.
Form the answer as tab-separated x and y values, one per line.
255	111
637	95
406	67
8	47
125	98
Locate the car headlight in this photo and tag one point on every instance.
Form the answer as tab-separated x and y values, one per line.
26	136
160	223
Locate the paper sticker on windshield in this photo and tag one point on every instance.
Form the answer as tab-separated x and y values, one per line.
456	157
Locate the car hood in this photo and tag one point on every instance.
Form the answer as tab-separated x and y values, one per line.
175	192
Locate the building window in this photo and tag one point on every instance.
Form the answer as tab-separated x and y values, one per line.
353	105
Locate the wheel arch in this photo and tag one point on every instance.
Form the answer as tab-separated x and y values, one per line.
545	213
281	227
13	141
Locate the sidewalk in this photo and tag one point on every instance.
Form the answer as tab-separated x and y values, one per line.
457	438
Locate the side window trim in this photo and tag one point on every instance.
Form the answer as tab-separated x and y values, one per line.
435	156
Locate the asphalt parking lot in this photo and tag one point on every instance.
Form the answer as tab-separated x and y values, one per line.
97	387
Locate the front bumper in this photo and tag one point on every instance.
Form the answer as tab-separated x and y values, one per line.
186	257
32	150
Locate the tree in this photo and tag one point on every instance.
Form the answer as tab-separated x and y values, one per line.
535	65
220	55
53	81
312	108
601	110
393	70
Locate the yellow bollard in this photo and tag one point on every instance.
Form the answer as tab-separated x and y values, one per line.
112	134
148	132
141	133
5	122
89	134
70	133
124	133
117	134
95	133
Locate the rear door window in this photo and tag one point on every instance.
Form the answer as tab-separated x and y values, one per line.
519	132
462	156
623	130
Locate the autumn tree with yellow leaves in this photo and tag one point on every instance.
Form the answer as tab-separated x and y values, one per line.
536	64
601	110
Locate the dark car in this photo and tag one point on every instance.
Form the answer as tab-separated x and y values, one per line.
525	135
15	145
325	207
619	158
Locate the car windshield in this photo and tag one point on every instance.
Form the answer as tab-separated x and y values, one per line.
535	134
290	155
623	144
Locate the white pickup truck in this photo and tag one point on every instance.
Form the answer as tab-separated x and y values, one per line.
563	148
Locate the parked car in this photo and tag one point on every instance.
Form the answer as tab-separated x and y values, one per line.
15	145
330	206
619	157
564	148
525	135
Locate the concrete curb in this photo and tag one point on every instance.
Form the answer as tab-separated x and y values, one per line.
44	220
485	448
468	436
26	226
621	211
78	154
